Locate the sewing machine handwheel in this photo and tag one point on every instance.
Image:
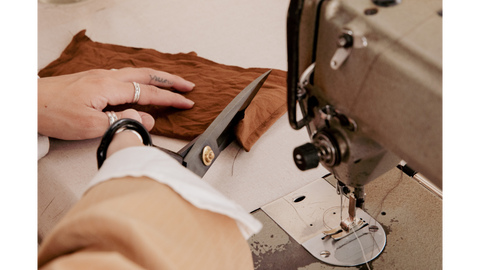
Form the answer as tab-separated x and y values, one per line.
108	136
306	156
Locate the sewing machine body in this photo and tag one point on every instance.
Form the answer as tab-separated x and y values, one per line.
367	76
379	98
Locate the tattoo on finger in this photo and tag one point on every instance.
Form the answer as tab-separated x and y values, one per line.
160	80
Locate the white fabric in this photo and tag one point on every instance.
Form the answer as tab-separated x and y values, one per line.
43	146
155	164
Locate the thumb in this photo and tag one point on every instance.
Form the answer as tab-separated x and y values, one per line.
119	143
142	117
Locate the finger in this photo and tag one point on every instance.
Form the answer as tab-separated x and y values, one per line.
93	124
129	113
144	118
150	76
154	95
147	120
149	94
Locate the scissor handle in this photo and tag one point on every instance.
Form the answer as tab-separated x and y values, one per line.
108	136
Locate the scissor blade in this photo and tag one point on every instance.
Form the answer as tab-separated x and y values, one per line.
220	132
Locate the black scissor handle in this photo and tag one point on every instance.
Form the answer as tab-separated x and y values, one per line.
108	136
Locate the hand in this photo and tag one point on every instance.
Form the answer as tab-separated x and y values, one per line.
70	106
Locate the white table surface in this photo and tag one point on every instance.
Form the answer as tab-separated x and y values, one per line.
246	33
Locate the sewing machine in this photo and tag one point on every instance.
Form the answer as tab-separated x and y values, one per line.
370	87
367	77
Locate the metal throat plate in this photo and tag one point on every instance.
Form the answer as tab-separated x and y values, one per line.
305	213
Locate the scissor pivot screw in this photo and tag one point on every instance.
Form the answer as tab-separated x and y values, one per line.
207	155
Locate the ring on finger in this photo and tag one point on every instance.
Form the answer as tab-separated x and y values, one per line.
136	96
112	117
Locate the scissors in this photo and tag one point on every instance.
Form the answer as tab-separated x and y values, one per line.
198	155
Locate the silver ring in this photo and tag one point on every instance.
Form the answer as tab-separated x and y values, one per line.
136	97
112	117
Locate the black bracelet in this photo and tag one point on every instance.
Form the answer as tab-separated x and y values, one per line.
108	136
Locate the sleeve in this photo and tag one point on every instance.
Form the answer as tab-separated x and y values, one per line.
138	223
159	166
143	210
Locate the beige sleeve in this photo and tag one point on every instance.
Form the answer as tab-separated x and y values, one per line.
138	223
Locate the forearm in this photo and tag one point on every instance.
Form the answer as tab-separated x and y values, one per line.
141	200
123	140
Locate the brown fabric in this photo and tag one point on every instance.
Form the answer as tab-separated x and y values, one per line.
215	86
138	223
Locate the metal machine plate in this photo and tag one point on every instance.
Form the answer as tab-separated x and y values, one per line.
305	213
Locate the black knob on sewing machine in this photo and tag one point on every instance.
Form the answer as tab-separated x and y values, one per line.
386	3
306	156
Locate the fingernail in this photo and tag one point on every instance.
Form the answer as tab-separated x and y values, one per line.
189	102
193	85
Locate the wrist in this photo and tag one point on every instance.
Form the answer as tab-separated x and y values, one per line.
124	139
112	141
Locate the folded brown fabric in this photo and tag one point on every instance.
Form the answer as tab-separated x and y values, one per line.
215	86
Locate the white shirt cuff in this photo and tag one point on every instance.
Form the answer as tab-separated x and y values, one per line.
159	166
43	146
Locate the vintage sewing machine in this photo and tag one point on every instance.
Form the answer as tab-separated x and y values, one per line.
367	78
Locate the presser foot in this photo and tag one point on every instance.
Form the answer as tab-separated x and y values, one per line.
345	229
348	225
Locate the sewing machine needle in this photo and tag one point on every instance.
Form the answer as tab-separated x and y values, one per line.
341	207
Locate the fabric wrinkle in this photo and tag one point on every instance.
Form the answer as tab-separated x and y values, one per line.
215	86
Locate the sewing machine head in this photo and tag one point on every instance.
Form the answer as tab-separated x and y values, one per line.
367	76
